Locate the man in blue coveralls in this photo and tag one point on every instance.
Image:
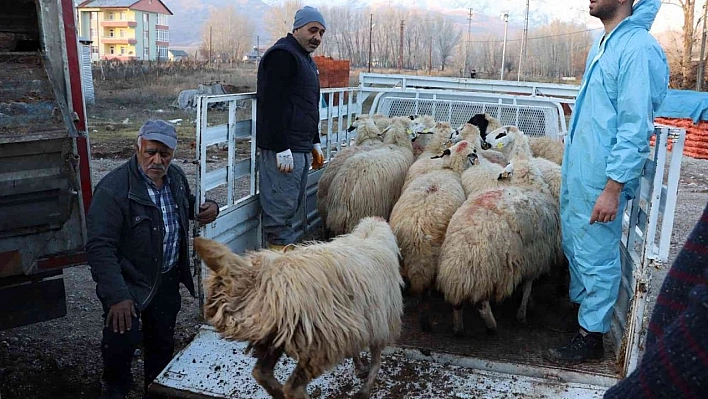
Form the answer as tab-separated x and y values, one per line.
625	82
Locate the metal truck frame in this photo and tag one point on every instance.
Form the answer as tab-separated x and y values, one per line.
213	368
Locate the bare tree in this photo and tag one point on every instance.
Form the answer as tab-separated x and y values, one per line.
689	9
280	18
226	34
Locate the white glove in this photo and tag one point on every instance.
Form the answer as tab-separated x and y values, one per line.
285	161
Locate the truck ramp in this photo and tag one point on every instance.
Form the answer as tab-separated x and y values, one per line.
211	368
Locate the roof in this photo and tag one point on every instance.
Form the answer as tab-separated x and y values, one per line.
136	4
108	3
178	52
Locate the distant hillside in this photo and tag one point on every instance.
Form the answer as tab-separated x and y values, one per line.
190	15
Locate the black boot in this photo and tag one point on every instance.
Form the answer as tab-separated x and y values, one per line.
584	347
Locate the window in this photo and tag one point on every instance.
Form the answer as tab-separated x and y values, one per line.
146	53
162	19
162	52
110	33
112	50
122	51
123	16
110	16
93	32
163	35
146	37
122	33
94	49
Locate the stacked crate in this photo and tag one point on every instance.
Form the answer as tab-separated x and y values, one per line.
333	73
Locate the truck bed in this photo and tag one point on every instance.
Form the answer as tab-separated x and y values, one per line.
28	106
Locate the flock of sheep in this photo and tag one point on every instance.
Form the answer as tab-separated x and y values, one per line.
471	212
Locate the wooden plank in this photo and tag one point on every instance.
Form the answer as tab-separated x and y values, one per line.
40	301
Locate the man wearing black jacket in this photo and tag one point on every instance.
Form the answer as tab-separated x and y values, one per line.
138	250
287	125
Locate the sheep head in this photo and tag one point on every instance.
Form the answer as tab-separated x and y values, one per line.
366	130
485	123
398	134
459	157
230	280
472	134
510	141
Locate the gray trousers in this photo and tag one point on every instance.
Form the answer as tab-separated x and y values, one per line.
281	195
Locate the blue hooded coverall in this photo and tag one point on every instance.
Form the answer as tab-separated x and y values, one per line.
625	81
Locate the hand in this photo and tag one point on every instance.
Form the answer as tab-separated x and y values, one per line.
607	204
317	157
207	212
285	161
120	316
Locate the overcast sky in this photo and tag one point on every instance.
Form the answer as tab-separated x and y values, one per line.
540	9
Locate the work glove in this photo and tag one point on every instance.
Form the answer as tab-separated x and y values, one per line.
317	157
285	161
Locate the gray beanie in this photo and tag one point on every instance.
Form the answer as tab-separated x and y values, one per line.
305	15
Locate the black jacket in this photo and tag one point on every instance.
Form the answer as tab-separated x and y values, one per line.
125	234
288	98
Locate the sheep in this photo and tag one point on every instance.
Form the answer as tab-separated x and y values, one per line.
485	123
506	143
368	137
317	303
497	239
370	183
422	127
541	146
501	235
548	148
420	217
440	140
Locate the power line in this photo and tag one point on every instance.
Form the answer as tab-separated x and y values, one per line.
537	37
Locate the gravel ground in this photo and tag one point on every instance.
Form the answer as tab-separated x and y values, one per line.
61	359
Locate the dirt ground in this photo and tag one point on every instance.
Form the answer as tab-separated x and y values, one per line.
61	358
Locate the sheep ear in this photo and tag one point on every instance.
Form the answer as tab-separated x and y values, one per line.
211	252
446	152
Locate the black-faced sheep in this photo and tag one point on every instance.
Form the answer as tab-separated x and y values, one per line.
317	303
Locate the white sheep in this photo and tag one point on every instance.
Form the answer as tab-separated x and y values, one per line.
370	183
541	146
317	303
420	217
500	236
422	127
439	141
548	148
368	137
496	240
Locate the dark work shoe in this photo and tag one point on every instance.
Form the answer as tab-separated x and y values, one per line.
586	346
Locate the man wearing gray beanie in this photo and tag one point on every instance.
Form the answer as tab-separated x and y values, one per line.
287	125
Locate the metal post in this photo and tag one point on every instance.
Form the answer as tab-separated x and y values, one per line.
522	52
210	46
702	62
258	47
467	43
505	17
371	29
400	50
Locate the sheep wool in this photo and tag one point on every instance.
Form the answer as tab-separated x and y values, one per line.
494	241
369	184
548	148
317	303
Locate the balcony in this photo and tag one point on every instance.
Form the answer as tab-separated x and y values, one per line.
118	40
162	27
119	24
119	57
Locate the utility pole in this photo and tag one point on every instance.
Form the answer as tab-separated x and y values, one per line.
400	49
258	47
702	61
505	17
371	29
467	43
522	52
210	46
430	57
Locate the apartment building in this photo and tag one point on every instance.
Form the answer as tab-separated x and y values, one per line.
125	29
